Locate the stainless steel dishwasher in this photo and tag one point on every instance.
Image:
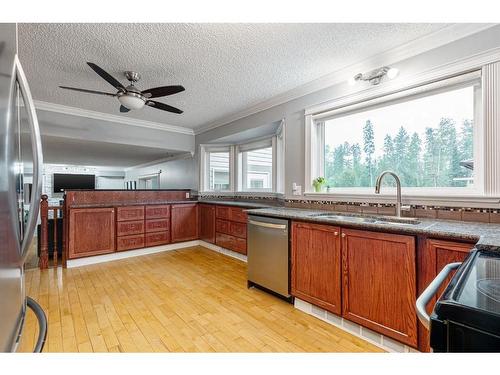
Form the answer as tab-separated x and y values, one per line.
268	255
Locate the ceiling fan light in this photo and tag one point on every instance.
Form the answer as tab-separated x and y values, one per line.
131	101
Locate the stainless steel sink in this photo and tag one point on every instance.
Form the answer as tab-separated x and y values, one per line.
368	219
356	219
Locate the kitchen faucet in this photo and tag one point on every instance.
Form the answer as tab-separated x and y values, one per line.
399	206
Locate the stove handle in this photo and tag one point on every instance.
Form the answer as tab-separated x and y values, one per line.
430	291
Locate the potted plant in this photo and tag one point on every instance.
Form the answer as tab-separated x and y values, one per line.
318	183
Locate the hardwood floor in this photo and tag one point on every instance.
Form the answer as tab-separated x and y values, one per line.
191	300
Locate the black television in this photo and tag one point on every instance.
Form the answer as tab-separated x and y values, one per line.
64	182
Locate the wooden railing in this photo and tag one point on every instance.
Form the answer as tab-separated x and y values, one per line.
57	212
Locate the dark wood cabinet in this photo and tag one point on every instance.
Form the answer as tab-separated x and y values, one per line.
207	222
184	222
233	243
379	283
237	214
157	238
135	241
128	213
91	232
231	228
316	265
157	212
157	225
222	212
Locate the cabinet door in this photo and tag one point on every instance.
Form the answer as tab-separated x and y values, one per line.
379	283
448	252
91	232
316	265
207	222
184	222
434	255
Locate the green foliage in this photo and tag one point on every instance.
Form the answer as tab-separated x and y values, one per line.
431	162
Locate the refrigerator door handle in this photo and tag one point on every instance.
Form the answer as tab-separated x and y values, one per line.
36	142
430	291
42	322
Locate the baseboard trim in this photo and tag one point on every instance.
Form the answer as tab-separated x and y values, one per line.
152	250
129	254
224	251
355	329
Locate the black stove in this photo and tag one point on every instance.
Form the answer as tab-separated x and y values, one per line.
467	316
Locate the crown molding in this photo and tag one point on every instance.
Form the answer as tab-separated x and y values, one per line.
415	47
74	111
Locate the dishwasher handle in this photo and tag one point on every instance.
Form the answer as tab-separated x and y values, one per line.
42	322
267	225
430	291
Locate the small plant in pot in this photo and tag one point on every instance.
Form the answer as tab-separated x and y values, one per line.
318	184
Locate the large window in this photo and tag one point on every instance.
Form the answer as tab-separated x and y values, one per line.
216	167
427	137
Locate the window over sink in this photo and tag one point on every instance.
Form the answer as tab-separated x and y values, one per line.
429	136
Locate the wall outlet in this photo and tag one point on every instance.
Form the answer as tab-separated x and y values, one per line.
187	195
296	189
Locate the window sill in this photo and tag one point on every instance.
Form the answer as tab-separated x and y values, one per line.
449	200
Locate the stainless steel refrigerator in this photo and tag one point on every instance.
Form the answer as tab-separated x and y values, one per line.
18	126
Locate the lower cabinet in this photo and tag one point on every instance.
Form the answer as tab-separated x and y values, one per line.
91	232
184	222
135	241
207	222
231	242
379	283
316	265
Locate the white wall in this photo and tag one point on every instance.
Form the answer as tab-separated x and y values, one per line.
293	111
175	174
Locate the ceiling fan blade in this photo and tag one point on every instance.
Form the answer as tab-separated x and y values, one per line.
87	91
157	92
163	107
124	109
106	76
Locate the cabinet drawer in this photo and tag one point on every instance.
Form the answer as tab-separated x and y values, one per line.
231	243
222	212
237	214
158	238
126	228
157	225
130	213
238	229
130	242
222	226
158	212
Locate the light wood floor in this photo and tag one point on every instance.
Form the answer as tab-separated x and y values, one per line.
191	300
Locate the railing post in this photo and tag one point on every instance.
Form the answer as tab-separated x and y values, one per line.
43	261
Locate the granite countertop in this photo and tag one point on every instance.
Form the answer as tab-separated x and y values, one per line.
142	203
244	204
486	236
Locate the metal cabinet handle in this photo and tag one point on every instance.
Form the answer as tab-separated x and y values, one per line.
343	235
335	233
36	142
267	225
430	291
42	322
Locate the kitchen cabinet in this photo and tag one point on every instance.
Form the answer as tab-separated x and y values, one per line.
91	231
379	283
207	222
231	228
128	213
157	225
316	265
433	255
184	222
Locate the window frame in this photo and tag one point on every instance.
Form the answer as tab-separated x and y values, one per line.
315	137
275	141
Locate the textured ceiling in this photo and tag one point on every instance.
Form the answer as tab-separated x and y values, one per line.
225	68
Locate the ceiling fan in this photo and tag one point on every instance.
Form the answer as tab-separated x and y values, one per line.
131	97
